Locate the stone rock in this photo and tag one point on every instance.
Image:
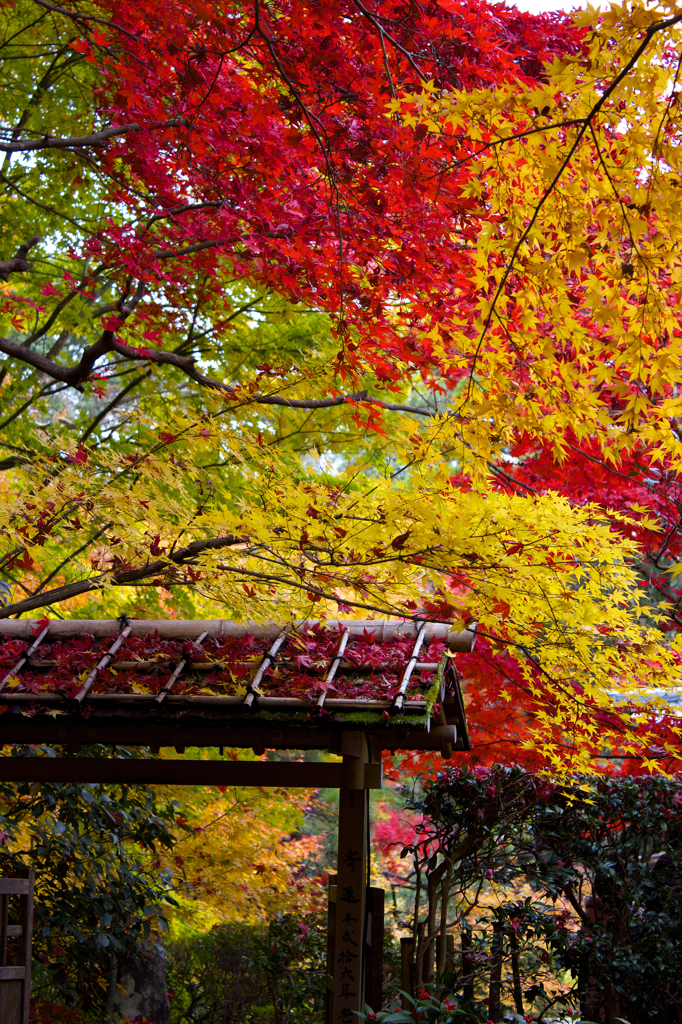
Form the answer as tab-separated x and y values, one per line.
141	994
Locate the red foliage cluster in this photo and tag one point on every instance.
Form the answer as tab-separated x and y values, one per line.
627	484
43	1012
267	140
498	726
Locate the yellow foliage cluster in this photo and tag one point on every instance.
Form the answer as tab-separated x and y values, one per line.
245	859
578	267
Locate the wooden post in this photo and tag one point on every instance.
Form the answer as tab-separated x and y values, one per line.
347	972
516	973
467	966
26	940
406	970
374	949
15	981
331	931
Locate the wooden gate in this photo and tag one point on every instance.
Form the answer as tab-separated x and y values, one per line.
16	901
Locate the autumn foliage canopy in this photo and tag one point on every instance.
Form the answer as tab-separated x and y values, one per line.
320	307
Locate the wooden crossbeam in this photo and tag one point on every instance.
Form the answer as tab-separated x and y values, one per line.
137	732
285	774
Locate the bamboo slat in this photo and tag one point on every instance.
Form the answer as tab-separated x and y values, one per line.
334	666
24	658
102	663
404	682
181	664
208	666
267	660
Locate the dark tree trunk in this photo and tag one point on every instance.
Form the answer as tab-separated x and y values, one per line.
495	994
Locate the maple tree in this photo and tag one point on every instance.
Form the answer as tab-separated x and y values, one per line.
239	856
317	290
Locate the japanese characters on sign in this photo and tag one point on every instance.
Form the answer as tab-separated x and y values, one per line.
348	952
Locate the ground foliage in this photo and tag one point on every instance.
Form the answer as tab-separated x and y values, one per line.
292	957
236	973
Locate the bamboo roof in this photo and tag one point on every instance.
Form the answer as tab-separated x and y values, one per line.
299	685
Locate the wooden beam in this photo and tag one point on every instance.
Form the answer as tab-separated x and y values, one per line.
137	732
230	704
287	774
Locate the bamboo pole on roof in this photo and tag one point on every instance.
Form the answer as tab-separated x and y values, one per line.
208	666
334	666
219	700
108	657
25	657
223	629
267	660
404	683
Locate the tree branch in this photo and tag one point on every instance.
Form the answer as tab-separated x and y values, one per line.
77	16
72	375
92	426
125	577
167	254
84	141
19	263
176	211
328	403
75	375
396	45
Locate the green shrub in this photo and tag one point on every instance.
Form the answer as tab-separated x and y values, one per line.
212	978
99	897
246	974
292	958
